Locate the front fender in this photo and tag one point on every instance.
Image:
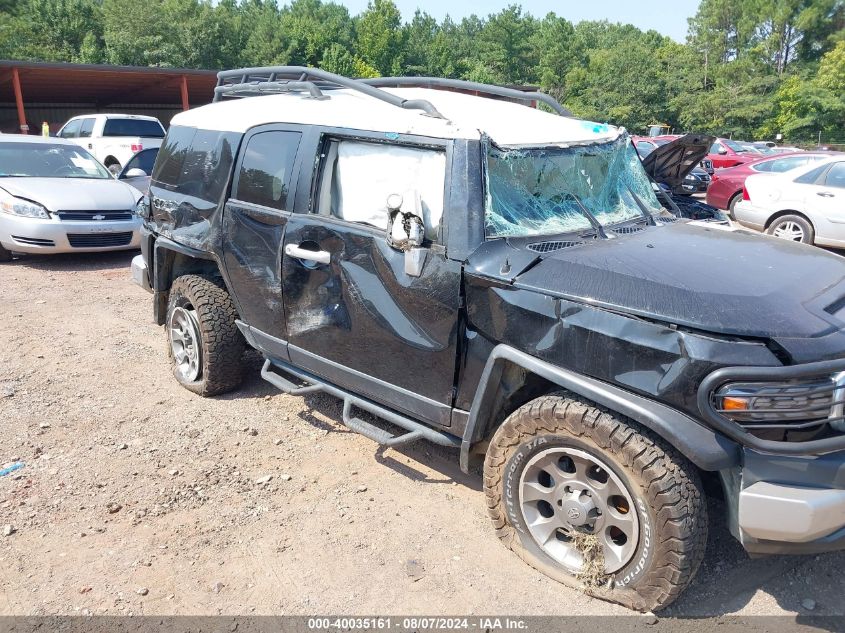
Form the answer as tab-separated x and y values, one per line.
704	447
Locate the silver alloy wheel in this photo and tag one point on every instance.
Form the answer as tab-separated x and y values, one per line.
565	489
185	343
789	231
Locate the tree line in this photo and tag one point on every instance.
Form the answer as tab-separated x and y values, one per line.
749	69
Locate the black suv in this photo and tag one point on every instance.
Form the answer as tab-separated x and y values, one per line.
503	280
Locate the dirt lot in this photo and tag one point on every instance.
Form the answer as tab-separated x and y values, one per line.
140	497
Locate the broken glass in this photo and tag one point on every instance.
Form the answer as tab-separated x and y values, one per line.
537	191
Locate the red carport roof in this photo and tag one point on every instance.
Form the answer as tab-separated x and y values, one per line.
44	82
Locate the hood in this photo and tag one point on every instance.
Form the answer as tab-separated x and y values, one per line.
671	163
72	194
704	277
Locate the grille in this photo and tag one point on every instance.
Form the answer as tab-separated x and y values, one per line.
546	247
627	230
108	216
707	164
32	241
99	240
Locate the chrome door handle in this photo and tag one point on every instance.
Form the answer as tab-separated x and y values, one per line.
321	257
824	194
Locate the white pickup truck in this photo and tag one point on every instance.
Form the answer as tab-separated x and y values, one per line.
114	138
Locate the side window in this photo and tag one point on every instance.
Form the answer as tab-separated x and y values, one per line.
715	147
765	166
812	176
143	160
71	130
358	177
87	128
644	149
836	176
171	156
785	164
266	169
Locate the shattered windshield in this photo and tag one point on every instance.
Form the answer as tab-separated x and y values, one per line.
555	190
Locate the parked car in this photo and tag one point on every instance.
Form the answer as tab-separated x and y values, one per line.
696	178
138	170
725	189
728	153
494	278
670	166
806	204
55	198
114	138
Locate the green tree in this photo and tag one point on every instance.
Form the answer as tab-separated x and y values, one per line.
380	39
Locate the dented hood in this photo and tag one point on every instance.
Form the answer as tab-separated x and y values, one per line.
702	277
671	163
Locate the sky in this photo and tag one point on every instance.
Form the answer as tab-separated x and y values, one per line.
668	18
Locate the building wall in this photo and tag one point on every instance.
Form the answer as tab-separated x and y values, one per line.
57	113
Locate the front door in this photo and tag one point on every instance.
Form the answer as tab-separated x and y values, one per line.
253	229
355	314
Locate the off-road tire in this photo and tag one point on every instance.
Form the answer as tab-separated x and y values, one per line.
222	343
809	236
665	486
5	254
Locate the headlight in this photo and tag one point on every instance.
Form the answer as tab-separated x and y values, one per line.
142	208
23	208
787	405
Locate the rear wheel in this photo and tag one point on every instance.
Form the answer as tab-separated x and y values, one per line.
794	228
205	344
596	502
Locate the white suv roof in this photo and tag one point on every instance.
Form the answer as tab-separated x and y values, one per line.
467	117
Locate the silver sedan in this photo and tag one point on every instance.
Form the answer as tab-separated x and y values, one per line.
56	198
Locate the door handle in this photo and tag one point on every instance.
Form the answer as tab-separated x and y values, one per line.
321	257
824	194
90	146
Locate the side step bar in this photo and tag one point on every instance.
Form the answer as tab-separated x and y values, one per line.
415	430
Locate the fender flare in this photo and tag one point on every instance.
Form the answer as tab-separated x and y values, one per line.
705	448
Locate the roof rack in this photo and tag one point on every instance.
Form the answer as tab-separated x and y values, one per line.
250	82
438	82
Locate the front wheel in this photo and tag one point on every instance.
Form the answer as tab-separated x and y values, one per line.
114	168
596	502
5	254
205	344
795	228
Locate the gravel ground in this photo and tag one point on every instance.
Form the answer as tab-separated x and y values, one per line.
140	497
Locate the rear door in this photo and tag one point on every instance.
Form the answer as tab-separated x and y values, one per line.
254	221
827	196
359	312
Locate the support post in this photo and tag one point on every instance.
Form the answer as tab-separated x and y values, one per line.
16	83
185	105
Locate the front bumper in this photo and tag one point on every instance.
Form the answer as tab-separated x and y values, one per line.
140	273
32	235
791	505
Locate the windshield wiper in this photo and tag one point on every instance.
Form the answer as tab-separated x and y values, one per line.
641	206
597	226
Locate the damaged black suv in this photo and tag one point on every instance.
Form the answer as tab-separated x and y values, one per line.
503	280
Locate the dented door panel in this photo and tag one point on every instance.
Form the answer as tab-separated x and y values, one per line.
364	313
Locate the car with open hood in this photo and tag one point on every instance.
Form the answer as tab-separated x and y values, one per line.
57	198
490	277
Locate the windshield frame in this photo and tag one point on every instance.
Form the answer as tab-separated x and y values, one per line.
589	228
101	173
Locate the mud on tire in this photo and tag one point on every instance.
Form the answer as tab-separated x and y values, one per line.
665	489
221	345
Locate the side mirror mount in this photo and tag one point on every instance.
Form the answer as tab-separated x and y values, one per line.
405	232
723	151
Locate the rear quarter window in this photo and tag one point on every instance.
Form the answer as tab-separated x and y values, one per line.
196	162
